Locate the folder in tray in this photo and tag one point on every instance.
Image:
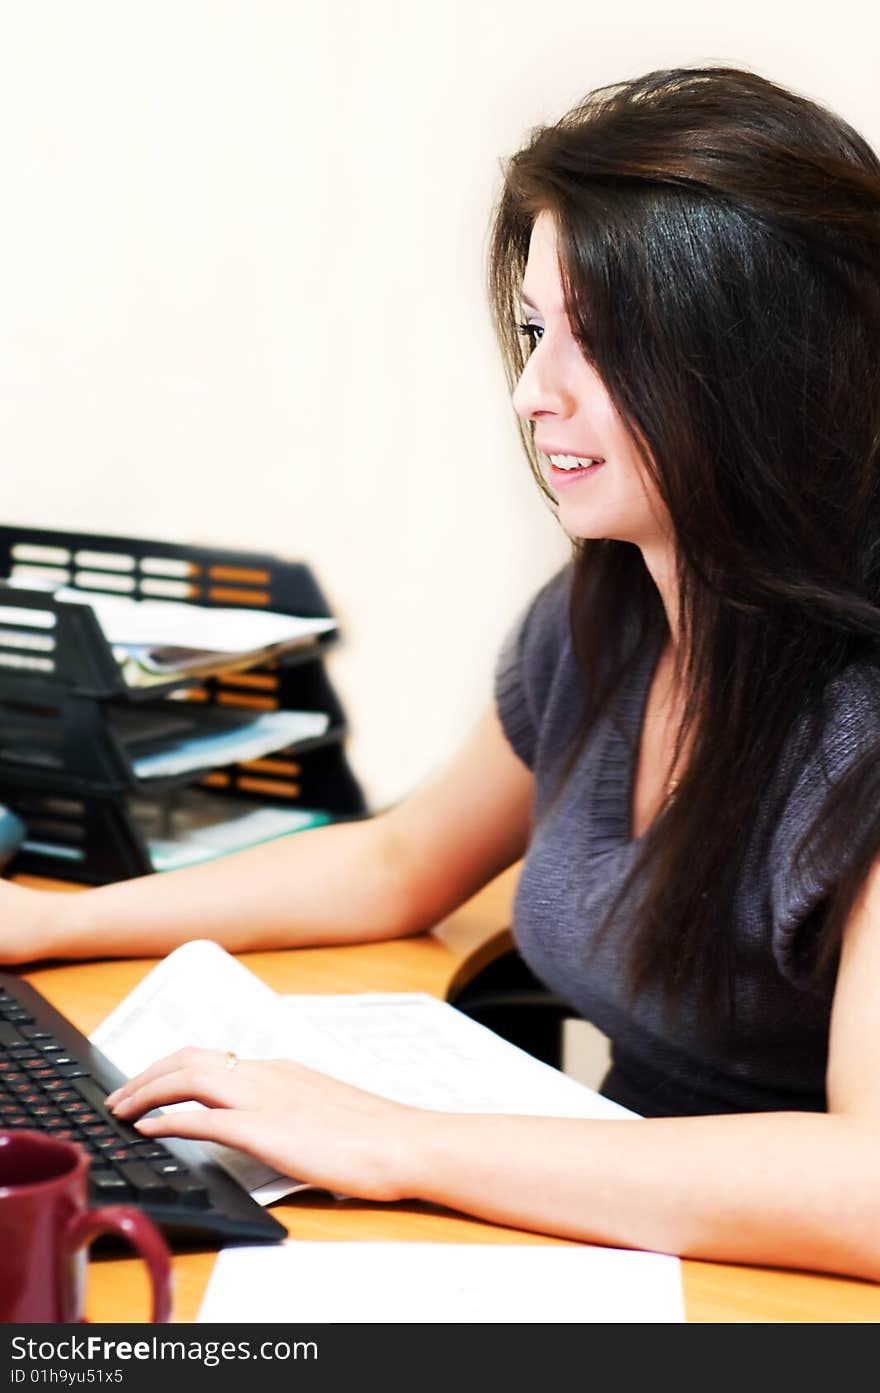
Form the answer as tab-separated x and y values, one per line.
199	826
163	741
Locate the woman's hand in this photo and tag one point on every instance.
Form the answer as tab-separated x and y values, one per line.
302	1123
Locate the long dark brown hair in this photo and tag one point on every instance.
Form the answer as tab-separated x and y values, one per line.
719	243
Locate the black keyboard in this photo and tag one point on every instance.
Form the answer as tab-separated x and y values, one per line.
53	1080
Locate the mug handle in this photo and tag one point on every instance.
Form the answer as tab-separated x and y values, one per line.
143	1236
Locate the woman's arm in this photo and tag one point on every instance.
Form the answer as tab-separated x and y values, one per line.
778	1189
384	877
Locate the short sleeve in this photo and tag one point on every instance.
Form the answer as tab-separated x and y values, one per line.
528	661
803	872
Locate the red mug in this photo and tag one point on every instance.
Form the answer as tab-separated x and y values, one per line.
46	1227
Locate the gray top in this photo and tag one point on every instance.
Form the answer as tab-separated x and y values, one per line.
581	848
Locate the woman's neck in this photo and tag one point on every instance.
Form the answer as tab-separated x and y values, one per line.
660	559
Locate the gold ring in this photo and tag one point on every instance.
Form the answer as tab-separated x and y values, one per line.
231	1059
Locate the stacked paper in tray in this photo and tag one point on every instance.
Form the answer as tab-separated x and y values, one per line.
155	640
158	642
179	738
199	826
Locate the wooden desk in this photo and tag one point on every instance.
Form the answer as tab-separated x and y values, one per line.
438	963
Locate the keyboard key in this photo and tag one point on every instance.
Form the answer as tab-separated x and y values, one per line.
91	1091
108	1143
76	1108
108	1187
121	1153
190	1191
62	1129
145	1182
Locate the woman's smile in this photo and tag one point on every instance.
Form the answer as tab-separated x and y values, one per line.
566	470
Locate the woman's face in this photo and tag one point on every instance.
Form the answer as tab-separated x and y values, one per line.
574	418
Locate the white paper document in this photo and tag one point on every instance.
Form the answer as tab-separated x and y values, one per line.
442	1282
172	623
406	1046
418	1050
157	640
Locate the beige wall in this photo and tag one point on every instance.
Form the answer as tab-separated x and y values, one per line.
241	293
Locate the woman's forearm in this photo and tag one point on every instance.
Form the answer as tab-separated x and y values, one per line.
336	884
776	1189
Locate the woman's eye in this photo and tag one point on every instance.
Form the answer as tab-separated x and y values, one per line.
532	332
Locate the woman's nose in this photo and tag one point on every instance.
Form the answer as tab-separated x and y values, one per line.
541	389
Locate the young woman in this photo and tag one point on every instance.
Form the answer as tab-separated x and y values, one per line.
685	742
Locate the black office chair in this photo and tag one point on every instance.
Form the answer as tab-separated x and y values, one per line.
507	997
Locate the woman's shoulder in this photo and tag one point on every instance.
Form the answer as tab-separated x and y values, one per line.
830	767
840	725
854	693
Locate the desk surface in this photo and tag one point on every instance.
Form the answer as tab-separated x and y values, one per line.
437	963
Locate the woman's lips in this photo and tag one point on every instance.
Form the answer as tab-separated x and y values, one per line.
565	468
566	478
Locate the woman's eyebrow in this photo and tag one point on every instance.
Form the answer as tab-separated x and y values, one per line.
530	304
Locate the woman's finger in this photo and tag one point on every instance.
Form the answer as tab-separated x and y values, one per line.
181	1059
204	1080
259	1134
230	1126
